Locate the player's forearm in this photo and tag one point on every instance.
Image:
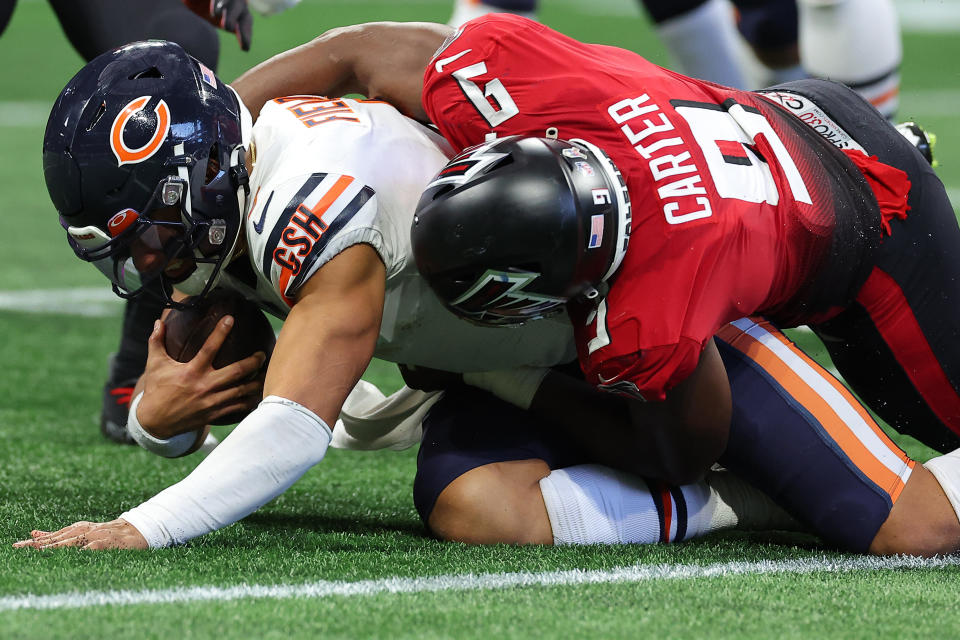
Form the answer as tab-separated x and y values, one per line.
318	67
267	452
676	440
598	423
381	60
690	428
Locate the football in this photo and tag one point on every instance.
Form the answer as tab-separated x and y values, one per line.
187	329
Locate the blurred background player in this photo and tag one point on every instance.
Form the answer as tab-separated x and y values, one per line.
856	42
95	26
700	35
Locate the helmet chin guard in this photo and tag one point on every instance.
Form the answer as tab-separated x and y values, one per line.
511	230
144	161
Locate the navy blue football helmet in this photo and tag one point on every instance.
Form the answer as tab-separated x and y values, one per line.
144	147
511	230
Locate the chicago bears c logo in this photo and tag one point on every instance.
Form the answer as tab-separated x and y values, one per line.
126	155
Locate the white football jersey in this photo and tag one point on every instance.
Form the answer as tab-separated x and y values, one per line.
331	173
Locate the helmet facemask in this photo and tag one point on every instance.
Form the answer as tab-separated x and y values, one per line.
170	232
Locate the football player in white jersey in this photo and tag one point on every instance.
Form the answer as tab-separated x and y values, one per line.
308	213
326	246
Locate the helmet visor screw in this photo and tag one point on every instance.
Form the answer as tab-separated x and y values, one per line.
217	233
171	193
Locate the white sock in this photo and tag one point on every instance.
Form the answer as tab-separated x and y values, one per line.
735	503
856	42
946	469
593	504
465	10
704	43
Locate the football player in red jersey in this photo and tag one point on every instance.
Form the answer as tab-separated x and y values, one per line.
742	204
739	206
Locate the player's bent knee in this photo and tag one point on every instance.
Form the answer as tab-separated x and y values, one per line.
494	503
922	521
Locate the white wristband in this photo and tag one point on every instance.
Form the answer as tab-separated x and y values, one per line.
516	386
173	447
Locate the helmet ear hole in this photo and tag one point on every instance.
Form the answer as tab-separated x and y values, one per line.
213	163
151	72
99	114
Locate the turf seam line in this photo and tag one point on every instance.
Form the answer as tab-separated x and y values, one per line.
469	582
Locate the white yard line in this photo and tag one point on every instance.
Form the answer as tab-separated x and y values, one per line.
918	104
94	302
954	194
468	582
24	113
929	15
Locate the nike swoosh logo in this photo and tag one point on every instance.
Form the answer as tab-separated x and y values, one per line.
258	225
607	380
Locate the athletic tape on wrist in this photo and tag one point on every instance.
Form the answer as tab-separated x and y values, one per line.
169	448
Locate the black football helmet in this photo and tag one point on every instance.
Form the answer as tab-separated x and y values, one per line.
145	144
511	230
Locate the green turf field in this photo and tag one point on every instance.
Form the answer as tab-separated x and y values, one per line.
343	554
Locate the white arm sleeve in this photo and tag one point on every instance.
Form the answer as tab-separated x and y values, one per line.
267	452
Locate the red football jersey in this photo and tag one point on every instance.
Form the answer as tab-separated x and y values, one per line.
734	200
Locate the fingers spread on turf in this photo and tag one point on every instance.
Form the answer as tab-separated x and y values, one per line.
116	534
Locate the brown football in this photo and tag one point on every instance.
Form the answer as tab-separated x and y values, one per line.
187	329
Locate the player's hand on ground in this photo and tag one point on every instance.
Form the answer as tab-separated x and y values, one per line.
116	534
185	396
229	15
